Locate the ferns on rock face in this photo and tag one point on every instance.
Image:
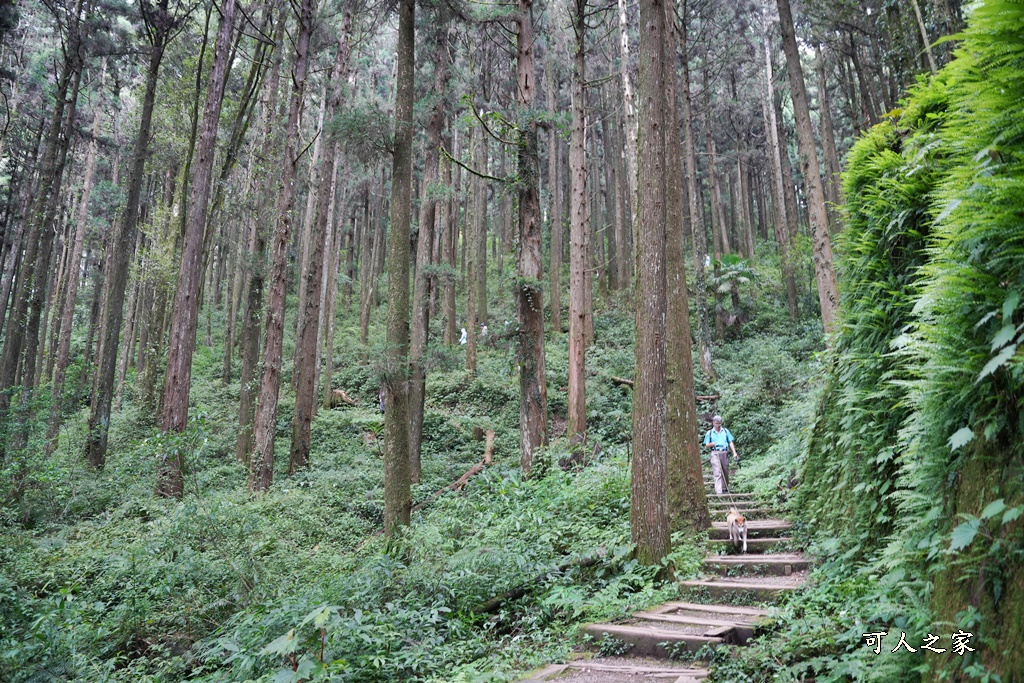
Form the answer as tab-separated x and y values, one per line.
921	427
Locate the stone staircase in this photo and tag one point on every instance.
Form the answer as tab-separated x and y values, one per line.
724	607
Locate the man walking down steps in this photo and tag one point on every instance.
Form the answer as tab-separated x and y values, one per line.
720	440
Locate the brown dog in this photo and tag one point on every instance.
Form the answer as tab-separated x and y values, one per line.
737	528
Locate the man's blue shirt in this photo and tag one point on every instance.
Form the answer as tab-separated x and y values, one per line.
721	439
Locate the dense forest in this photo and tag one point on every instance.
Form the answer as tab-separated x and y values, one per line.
365	342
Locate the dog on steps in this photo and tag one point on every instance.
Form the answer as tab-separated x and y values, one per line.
737	528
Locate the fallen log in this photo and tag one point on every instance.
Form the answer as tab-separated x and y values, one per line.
622	382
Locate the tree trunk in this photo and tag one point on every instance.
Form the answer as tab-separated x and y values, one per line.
630	111
828	137
451	235
533	393
648	518
425	282
304	234
779	198
366	270
38	239
261	469
828	294
700	246
480	257
475	230
266	164
118	261
71	291
397	496
555	208
611	229
578	232
687	503
328	312
307	341
177	381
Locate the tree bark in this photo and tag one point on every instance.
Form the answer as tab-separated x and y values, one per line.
184	321
579	229
630	111
71	291
261	470
425	281
118	261
38	239
924	37
307	359
781	221
687	502
648	518
828	294
555	208
328	311
397	496
451	234
828	137
475	230
533	393
700	246
268	158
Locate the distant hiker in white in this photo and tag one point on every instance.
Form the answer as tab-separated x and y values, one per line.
465	336
483	330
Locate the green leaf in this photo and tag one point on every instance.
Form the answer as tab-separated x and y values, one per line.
961	437
1010	305
993	509
1012	514
997	362
985	318
1003	337
319	616
963	535
950	208
285	645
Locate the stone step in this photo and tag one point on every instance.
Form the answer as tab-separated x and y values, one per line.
754	513
734	629
756	528
662	640
741	507
767	565
742	611
754	588
754	545
618	670
712	496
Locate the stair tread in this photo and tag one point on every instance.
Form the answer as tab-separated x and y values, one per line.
758	558
750	582
722	609
686	618
664	631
